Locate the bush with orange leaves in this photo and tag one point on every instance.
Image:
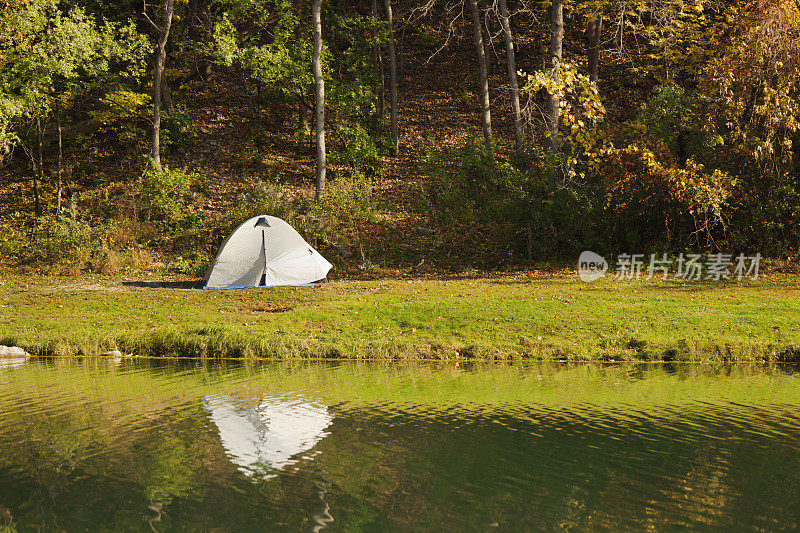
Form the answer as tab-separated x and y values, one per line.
648	195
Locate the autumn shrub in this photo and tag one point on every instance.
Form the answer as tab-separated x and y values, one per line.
581	115
197	244
53	241
266	197
650	201
44	242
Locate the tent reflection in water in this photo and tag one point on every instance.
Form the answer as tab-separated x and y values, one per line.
269	436
265	251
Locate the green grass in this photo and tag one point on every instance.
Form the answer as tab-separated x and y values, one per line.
540	317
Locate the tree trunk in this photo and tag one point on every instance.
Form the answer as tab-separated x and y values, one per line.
511	61
556	40
302	116
377	64
392	79
486	112
166	93
161	54
193	19
319	93
197	34
401	59
593	30
37	177
60	160
383	82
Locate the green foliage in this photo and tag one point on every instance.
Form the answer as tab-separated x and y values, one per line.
11	107
43	50
350	207
462	183
469	186
120	106
166	194
63	244
193	263
122	54
268	41
280	56
359	150
54	50
671	113
44	46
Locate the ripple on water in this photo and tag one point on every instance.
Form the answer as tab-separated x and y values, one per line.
271	446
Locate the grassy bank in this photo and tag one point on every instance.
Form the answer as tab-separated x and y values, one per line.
510	317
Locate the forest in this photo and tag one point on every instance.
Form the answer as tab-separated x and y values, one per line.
397	134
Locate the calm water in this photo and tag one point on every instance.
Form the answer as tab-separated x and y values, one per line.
163	446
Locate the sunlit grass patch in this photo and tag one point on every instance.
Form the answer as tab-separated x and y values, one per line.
520	317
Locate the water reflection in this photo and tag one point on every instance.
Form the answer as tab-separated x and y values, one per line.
354	447
269	436
11	362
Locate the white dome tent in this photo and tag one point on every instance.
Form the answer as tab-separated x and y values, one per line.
265	251
260	439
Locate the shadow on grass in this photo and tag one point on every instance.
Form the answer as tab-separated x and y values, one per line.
180	285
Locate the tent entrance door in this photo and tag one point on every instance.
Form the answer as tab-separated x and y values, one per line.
263	281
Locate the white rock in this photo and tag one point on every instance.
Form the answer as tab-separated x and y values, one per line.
13	351
113	353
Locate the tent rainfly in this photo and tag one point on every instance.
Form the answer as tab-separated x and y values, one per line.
265	251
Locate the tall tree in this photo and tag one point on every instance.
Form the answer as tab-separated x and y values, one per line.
392	78
556	42
59	169
39	134
511	62
483	75
377	63
167	7
319	93
593	30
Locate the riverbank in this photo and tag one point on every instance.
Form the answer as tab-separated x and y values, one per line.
523	316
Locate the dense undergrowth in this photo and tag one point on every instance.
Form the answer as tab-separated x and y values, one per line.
161	218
